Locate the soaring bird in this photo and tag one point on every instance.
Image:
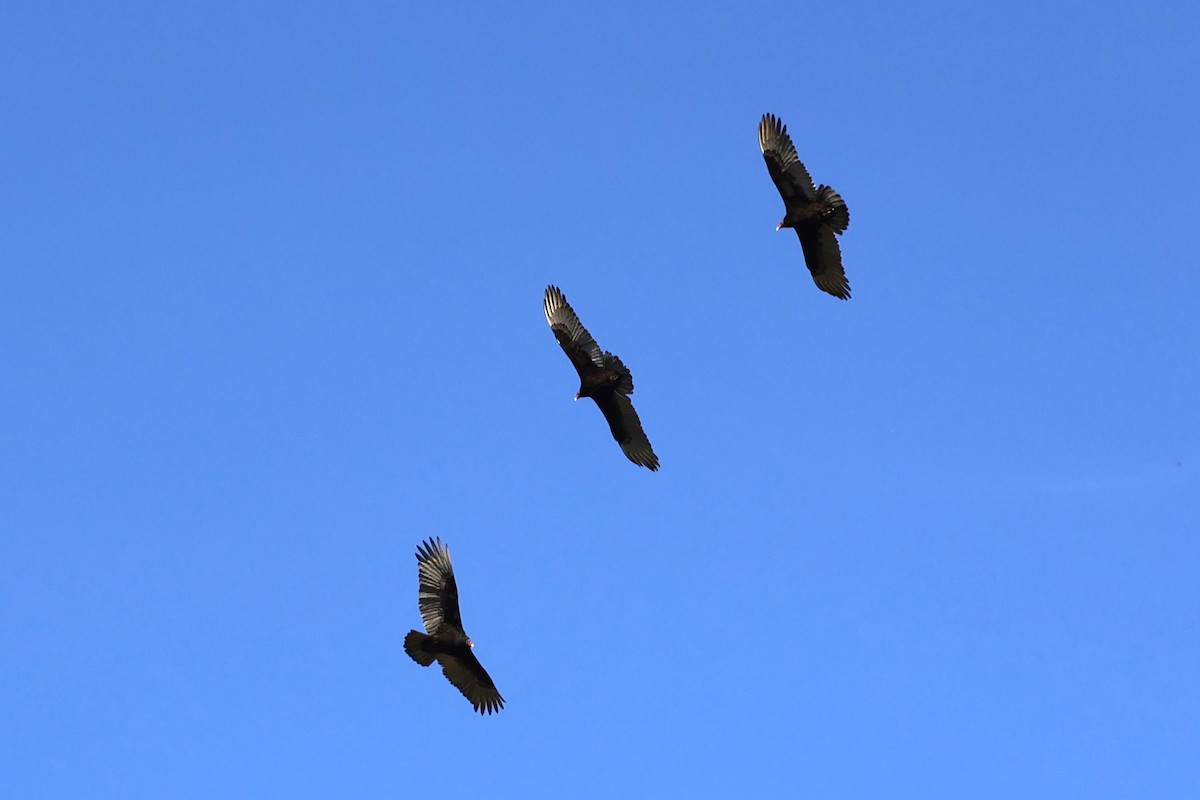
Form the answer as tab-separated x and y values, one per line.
446	642
602	377
815	212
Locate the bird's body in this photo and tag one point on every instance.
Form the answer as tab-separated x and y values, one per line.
598	383
799	215
602	376
816	213
445	641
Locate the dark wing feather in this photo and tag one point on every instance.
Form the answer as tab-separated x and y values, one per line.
437	592
627	429
576	342
792	180
470	678
823	258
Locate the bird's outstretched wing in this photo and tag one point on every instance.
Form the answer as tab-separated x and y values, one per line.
574	339
792	180
437	592
470	678
823	257
627	430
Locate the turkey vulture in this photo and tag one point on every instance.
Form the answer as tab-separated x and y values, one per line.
602	377
815	212
446	642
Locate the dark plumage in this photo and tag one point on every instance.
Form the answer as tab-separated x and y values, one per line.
602	377
815	212
446	641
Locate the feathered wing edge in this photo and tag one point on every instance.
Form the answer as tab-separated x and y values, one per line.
437	591
467	675
627	429
784	165
823	257
562	317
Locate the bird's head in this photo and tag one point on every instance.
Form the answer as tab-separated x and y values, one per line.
577	395
782	224
470	643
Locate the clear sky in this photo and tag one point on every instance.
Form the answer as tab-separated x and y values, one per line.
270	314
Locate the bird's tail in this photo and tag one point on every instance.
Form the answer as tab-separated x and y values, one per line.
415	645
624	376
838	216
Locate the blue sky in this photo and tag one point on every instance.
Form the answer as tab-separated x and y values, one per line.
270	314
